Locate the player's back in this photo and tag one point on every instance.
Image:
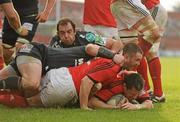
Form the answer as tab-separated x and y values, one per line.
92	67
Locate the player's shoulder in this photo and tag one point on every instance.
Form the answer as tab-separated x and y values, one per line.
103	61
89	36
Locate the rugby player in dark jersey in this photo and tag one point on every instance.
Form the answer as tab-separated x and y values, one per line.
14	21
12	17
67	36
34	60
29	16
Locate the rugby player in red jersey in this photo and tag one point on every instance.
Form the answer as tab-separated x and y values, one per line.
131	89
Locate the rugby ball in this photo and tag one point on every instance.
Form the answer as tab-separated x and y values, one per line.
117	100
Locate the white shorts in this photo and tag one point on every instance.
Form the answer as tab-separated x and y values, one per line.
160	16
57	89
103	31
128	12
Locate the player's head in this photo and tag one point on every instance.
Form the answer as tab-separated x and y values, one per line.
133	85
66	31
132	55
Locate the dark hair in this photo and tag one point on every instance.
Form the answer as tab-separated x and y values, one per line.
134	80
65	21
130	48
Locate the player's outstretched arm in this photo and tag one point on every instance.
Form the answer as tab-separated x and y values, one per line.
85	88
100	51
147	104
94	102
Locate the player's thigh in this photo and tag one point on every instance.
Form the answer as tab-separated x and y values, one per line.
128	36
128	12
31	69
160	16
104	31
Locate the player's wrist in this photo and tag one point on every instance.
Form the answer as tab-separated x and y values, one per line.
19	30
138	106
105	53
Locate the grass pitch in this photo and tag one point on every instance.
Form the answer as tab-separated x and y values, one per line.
165	112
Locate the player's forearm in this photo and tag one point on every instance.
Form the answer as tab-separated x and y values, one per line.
12	15
99	51
85	87
49	5
96	103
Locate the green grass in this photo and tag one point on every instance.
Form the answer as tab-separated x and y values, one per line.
166	112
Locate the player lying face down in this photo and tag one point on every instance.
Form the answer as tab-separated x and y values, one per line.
122	96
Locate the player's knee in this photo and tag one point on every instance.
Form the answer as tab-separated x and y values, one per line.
152	36
7	53
150	31
30	85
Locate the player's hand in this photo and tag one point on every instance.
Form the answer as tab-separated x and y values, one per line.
124	100
130	106
42	17
118	58
22	31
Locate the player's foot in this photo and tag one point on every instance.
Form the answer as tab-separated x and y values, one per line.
157	99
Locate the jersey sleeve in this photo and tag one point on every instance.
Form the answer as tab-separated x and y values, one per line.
54	42
102	72
106	94
96	39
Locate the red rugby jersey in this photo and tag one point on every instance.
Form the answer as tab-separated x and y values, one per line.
99	70
151	3
98	12
106	94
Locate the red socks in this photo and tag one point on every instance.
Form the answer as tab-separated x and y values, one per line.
12	99
143	70
1	62
155	72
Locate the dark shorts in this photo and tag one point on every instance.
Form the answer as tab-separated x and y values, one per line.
35	50
9	35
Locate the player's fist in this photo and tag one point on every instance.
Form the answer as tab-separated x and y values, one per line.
22	31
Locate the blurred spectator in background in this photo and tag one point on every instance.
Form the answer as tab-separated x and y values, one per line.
99	19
